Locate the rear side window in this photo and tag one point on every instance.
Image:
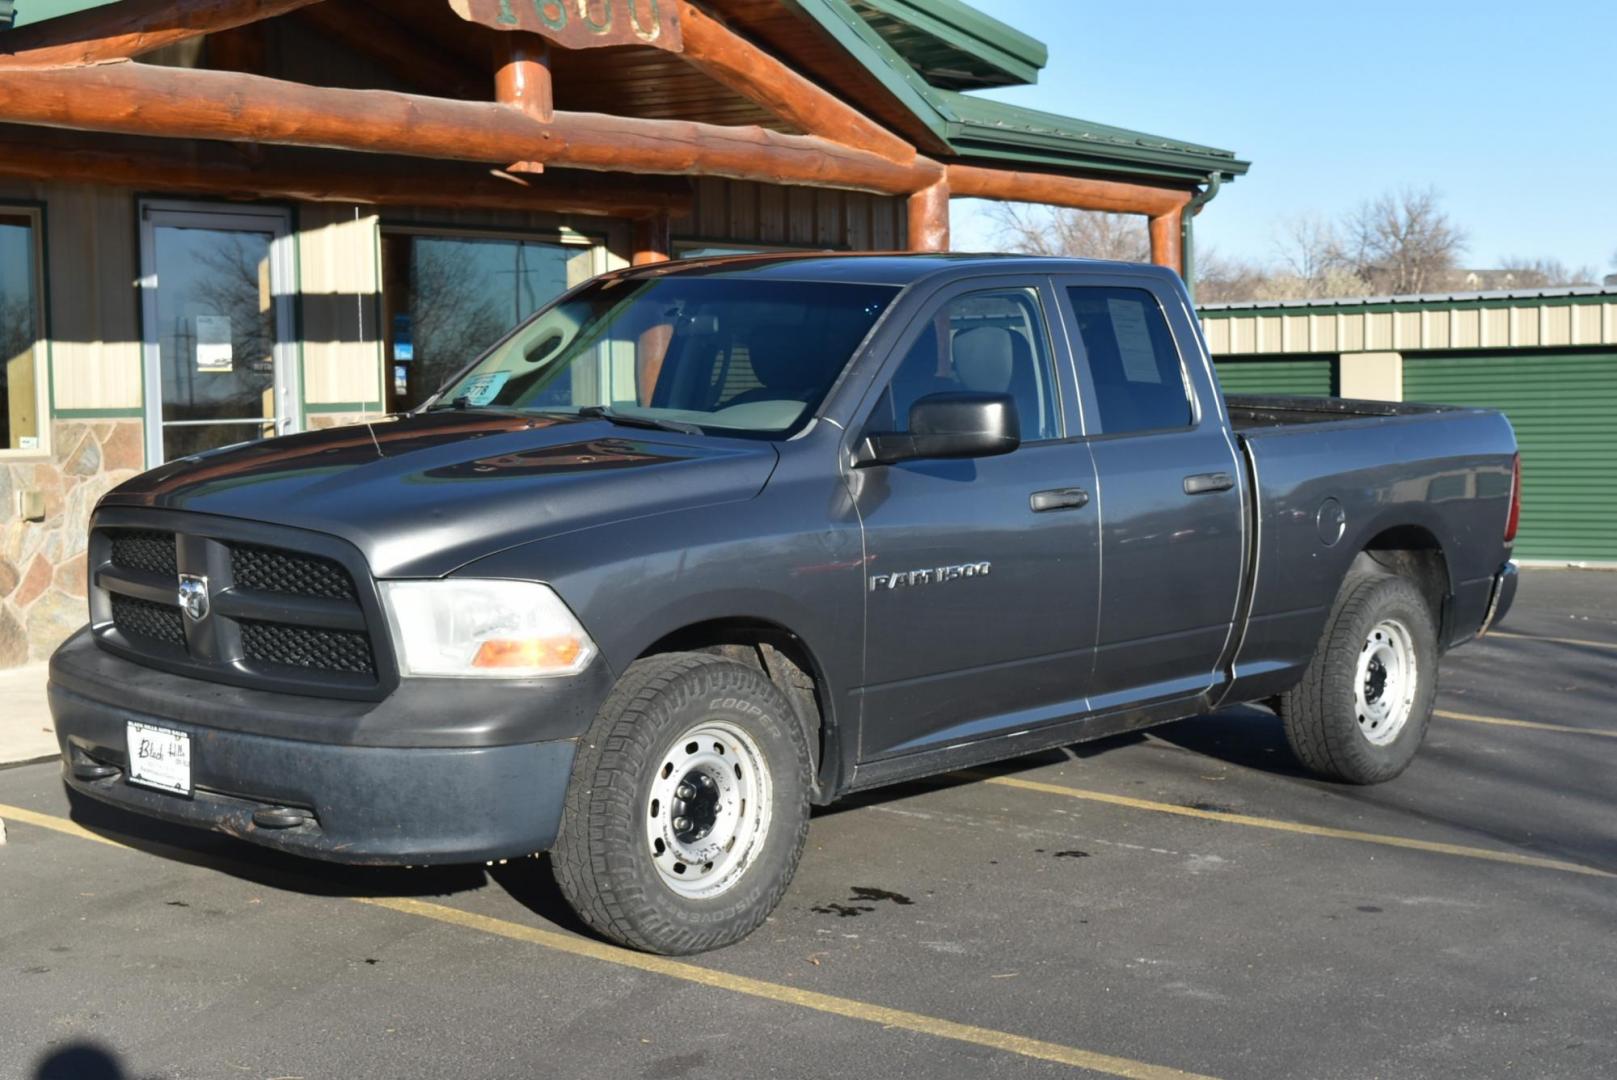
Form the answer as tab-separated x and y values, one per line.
1132	362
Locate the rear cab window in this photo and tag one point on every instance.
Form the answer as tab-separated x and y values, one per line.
1127	354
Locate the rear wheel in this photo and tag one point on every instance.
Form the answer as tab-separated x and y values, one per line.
1360	712
688	806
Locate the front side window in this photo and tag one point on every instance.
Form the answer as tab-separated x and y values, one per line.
1131	359
20	331
736	355
985	342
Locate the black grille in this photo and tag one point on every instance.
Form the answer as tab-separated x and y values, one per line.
272	570
143	549
304	647
144	619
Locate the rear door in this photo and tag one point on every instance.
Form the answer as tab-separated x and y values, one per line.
1170	484
980	597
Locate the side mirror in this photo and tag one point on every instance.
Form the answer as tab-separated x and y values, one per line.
951	425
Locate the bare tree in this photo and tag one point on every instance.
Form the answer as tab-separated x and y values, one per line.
1402	242
1545	273
16	327
1086	234
1222	280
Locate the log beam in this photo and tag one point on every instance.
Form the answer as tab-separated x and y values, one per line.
929	218
732	60
1082	193
139	99
119	31
320	179
1167	238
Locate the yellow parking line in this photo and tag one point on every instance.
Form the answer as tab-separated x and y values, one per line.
1229	818
787	995
1534	724
590	949
61	825
1554	640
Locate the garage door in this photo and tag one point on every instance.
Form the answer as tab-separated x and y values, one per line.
1564	409
1313	376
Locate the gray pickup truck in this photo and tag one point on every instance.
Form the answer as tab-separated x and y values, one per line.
701	545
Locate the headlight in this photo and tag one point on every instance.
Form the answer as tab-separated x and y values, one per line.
484	629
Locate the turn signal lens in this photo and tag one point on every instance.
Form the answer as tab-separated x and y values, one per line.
481	628
530	653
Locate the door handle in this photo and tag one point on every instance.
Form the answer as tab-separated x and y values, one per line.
1202	483
1058	499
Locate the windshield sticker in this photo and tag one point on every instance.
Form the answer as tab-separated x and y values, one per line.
481	390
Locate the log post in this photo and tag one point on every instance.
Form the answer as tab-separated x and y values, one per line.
929	218
652	240
522	81
1166	240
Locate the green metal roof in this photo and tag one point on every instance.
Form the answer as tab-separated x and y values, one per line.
953	45
979	128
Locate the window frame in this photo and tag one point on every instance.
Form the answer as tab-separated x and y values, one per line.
1088	398
919	313
41	349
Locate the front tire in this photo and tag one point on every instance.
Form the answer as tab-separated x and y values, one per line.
1361	710
688	806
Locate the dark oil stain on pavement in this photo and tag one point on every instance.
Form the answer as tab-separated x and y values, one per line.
860	902
1369	909
1211	807
1074	853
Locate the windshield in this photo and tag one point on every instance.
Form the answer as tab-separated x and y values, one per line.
736	355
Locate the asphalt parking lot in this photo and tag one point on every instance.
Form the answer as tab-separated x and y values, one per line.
1183	901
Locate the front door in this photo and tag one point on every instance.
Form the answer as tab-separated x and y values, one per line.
982	574
216	296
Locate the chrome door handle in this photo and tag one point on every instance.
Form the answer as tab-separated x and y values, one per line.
1202	483
1058	499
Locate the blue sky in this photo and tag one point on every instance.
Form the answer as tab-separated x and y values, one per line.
1508	109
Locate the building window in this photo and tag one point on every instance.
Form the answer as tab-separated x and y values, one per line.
449	296
22	332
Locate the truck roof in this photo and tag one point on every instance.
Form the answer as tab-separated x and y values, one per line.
876	268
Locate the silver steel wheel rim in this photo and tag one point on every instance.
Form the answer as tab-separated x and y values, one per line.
1385	683
707	813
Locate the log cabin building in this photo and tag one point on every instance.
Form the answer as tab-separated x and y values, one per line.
230	219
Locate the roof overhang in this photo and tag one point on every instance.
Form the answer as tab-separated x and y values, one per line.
954	45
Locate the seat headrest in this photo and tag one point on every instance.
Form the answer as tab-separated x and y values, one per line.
985	359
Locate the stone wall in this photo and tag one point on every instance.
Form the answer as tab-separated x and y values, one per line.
42	568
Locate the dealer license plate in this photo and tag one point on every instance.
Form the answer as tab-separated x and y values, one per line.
159	757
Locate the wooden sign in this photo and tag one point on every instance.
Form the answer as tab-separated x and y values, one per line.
581	24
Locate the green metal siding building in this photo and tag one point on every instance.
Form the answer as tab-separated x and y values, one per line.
1546	358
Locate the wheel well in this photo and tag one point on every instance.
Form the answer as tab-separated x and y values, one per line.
1414	553
790	665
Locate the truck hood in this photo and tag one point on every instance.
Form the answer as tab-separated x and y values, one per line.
422	495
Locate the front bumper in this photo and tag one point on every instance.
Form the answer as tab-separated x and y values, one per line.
375	804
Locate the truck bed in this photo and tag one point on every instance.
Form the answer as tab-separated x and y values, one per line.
1251	411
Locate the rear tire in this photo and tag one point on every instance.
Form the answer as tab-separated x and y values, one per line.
1361	710
688	806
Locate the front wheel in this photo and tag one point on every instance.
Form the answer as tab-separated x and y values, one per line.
688	806
1361	709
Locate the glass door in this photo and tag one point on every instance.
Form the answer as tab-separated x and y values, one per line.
216	294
